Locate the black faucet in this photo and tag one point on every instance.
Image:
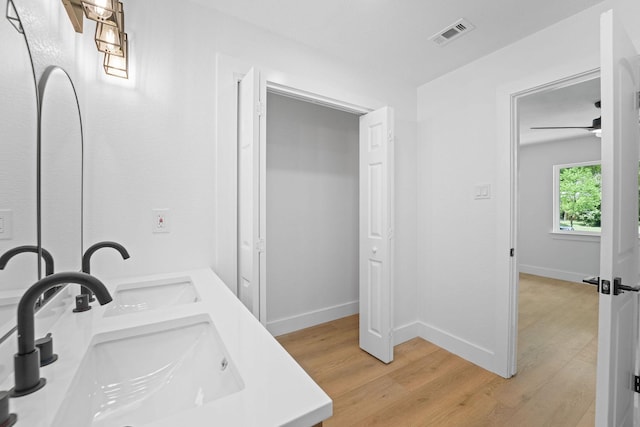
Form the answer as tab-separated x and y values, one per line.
46	255
27	359
86	261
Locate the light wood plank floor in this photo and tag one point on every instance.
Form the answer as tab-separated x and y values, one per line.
428	386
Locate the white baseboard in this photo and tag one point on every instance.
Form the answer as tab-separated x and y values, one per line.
569	276
467	350
311	318
405	333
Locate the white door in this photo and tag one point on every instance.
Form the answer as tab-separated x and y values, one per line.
376	233
251	246
617	330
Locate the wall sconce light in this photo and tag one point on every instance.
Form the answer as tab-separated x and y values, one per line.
110	37
105	11
118	65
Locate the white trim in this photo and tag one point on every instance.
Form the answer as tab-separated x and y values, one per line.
406	332
228	70
569	276
262	200
314	98
311	318
481	356
580	236
507	300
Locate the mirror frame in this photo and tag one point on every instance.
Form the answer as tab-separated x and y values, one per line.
42	85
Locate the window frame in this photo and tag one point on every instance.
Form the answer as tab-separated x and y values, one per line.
556	198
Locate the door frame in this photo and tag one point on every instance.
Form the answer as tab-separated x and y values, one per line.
230	69
508	366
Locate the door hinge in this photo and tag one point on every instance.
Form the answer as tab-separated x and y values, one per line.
260	246
390	137
512	252
260	108
390	233
636	383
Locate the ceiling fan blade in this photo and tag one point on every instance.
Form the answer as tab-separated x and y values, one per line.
565	127
595	125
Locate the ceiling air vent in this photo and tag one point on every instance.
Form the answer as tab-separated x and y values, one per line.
452	32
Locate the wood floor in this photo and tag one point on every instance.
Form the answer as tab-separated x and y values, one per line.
428	386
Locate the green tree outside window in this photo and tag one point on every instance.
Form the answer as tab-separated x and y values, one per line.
580	194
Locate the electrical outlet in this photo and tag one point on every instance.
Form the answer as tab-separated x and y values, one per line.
160	221
6	224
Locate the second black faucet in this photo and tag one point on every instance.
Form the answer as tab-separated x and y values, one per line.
86	296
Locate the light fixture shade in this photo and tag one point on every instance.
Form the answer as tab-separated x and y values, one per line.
108	39
105	11
115	65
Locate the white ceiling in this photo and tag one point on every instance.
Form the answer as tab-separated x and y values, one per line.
391	36
567	106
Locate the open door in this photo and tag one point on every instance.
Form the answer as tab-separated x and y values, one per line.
618	317
376	233
251	194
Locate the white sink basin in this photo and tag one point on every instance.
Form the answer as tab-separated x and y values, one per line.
139	375
152	295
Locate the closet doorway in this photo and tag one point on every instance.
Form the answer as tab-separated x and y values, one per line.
314	218
312	213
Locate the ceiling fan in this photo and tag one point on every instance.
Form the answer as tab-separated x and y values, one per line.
595	124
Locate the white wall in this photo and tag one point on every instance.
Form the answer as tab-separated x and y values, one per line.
150	144
629	13
540	251
312	214
18	158
464	139
157	141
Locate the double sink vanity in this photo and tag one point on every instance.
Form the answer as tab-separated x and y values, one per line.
174	349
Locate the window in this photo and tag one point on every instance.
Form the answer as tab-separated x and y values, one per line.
577	198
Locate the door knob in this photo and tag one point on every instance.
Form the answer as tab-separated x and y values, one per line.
374	249
618	287
604	286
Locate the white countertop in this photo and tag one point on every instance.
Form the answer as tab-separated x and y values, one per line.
277	391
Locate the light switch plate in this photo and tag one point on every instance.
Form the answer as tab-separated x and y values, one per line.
6	224
482	191
160	221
